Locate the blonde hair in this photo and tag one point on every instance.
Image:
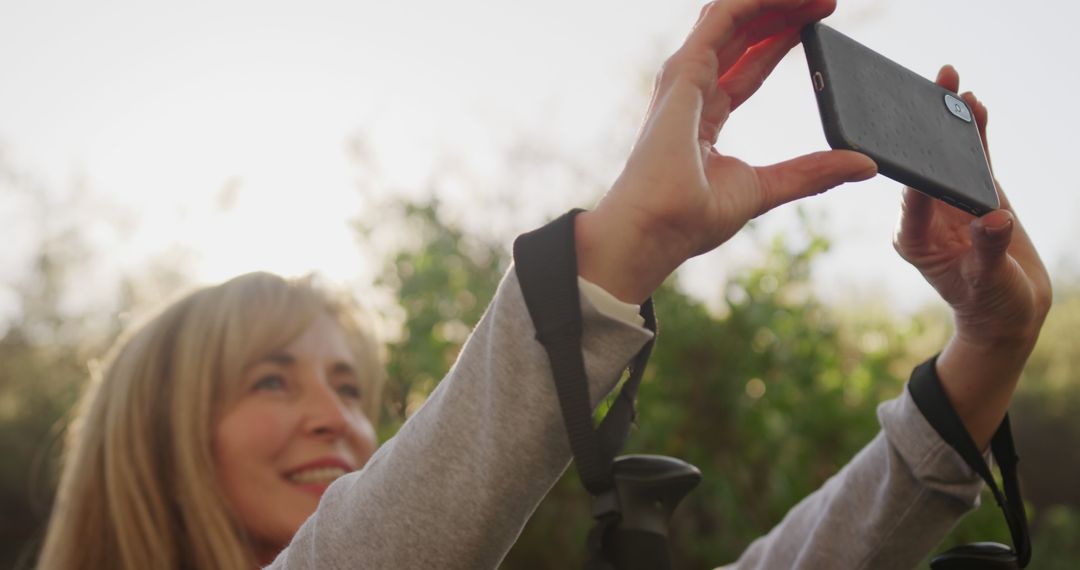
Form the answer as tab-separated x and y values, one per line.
139	487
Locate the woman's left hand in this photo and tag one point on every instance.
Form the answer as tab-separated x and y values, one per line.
990	274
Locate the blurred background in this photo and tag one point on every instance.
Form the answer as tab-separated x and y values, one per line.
396	148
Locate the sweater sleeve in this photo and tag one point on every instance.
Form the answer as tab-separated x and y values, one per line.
887	508
455	486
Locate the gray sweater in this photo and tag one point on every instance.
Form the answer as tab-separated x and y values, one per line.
455	486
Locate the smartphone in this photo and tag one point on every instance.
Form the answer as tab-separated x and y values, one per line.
919	133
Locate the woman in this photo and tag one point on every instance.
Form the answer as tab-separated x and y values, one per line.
455	486
212	430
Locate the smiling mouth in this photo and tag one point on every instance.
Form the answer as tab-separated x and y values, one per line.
317	476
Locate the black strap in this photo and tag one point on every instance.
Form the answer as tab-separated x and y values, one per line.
546	264
929	396
597	557
640	550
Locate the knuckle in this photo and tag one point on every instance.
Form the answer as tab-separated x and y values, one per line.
664	74
979	284
707	8
672	68
698	65
1044	298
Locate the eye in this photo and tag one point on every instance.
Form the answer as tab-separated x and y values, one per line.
349	390
270	382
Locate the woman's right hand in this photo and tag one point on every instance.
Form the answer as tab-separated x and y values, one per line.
678	197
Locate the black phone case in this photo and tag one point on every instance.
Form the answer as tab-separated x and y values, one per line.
872	105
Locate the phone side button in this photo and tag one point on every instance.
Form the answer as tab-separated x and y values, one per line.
819	82
958	204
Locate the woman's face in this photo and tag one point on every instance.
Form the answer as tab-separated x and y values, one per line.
296	427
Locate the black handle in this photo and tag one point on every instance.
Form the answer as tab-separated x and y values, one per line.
648	489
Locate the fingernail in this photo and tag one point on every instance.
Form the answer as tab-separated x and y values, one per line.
998	229
869	172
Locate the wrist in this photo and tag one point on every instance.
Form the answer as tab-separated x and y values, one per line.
1016	338
617	255
979	380
995	357
1006	318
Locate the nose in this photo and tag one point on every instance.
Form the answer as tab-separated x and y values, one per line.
325	414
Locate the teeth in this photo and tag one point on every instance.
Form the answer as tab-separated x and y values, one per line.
319	475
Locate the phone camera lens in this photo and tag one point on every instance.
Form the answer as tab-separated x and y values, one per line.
957	107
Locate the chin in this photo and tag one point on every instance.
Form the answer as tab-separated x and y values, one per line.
301	507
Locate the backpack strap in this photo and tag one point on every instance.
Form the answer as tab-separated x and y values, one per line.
546	264
929	396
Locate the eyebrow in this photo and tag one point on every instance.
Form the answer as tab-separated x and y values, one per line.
344	368
286	359
281	358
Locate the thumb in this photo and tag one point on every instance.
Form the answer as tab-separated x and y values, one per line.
811	174
990	238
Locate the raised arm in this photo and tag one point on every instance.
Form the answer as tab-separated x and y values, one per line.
990	274
900	495
456	485
678	197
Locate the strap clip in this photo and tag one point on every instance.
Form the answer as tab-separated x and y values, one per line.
606	504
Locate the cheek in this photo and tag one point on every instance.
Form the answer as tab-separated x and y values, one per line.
249	443
362	437
248	440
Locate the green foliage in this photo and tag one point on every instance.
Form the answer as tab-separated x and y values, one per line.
44	353
1044	416
37	387
769	398
444	287
41	373
1054	545
769	395
763	396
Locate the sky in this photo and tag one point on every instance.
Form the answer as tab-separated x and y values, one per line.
226	133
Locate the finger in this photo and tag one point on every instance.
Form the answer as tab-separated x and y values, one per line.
982	115
714	114
674	124
724	32
748	36
991	235
723	26
1019	244
740	82
811	174
948	78
999	239
1022	247
747	76
765	26
916	214
688	104
721	19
